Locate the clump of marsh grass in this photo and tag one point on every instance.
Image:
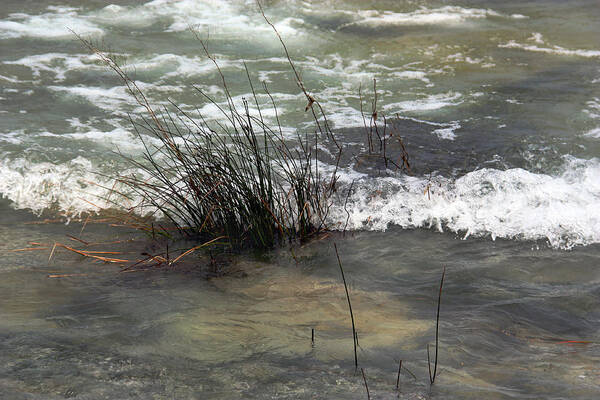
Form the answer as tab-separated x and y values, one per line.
237	177
234	175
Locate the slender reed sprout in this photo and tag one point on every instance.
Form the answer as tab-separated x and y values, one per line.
345	206
366	385
437	333
398	378
354	333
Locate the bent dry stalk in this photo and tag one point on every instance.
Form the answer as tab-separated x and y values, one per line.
366	385
437	333
354	333
398	378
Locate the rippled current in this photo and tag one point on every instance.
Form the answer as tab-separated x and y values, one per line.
498	104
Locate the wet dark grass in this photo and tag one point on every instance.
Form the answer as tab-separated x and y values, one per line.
230	175
229	181
234	175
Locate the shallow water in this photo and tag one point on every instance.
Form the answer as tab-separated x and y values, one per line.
499	106
506	313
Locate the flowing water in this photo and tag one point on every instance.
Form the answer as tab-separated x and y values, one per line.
498	104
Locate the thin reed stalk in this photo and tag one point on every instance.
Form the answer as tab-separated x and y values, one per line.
398	156
398	377
366	385
354	333
437	333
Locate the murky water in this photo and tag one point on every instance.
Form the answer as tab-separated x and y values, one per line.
506	314
499	106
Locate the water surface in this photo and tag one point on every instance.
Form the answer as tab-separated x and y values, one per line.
499	106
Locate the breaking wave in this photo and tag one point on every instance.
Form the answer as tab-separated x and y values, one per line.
510	204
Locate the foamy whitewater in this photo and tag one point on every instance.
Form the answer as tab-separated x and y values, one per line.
511	204
498	107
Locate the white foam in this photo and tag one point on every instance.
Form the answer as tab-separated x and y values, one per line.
210	111
417	75
118	139
594	133
172	65
448	15
115	15
10	79
220	17
346	117
15	137
336	66
53	25
114	99
556	50
358	71
429	103
179	65
537	37
485	62
447	133
57	63
40	186
593	110
512	204
109	99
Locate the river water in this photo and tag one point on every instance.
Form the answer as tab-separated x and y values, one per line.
498	104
